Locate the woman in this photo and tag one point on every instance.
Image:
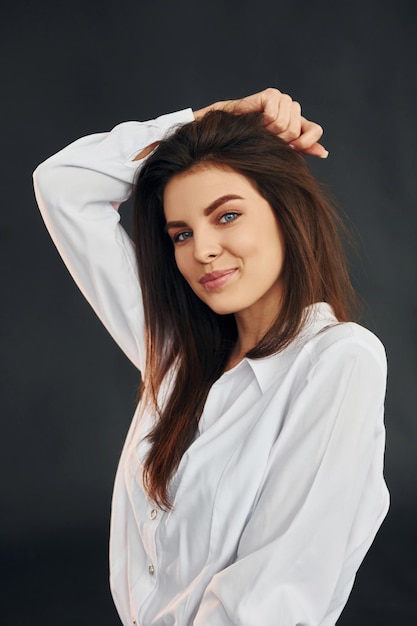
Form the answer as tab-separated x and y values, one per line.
250	485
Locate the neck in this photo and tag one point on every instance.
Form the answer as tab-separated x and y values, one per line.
251	328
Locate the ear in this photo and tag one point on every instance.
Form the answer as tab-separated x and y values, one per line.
146	151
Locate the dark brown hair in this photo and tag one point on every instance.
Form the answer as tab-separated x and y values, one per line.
182	332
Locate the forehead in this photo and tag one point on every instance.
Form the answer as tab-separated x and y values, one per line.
198	188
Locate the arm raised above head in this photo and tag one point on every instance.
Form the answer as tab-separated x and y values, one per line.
78	191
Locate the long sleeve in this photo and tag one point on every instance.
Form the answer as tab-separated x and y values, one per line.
79	191
321	501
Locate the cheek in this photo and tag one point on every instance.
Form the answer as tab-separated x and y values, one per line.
263	244
180	257
274	241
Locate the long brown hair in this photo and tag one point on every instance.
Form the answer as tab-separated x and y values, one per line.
182	332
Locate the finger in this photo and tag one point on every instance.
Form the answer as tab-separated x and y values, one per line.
270	99
282	119
317	150
266	101
308	141
309	135
293	129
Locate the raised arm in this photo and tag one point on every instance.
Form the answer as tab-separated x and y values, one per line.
79	190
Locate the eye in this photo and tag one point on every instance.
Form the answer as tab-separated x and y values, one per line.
183	236
228	217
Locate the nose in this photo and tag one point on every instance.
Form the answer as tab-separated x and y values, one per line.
206	246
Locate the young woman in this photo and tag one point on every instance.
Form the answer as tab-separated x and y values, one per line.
250	486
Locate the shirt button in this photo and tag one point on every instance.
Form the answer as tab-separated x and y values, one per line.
153	514
151	570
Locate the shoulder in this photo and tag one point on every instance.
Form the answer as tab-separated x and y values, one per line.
345	341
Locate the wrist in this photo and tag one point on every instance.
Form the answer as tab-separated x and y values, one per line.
224	105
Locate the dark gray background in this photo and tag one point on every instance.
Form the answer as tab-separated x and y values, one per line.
67	395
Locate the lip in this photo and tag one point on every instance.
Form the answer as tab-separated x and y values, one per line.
216	279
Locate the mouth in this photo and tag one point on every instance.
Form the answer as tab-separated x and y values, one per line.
217	279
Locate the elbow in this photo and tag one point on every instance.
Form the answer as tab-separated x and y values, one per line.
40	185
43	177
48	184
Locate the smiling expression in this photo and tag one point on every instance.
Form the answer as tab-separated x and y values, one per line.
227	242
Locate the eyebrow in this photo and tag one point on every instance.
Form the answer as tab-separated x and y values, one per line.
208	210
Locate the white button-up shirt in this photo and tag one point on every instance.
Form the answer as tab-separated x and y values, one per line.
280	495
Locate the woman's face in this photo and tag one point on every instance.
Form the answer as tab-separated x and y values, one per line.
227	242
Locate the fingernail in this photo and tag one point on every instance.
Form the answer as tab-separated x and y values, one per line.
324	154
291	145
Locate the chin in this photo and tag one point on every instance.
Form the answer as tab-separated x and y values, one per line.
221	309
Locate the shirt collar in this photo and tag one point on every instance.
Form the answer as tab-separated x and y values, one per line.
318	316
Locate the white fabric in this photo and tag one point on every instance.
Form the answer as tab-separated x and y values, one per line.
280	496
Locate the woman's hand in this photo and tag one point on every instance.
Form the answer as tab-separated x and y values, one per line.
282	116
